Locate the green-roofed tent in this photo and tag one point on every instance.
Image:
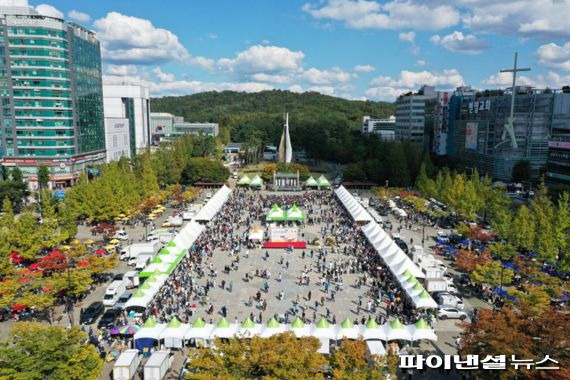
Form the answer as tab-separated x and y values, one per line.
172	244
276	214
273	327
174	333
156	260
395	330
311	182
347	330
323	330
372	331
139	293
244	181
164	251
199	323
145	285
323	182
294	214
422	331
225	329
256	181
248	324
297	323
223	323
149	323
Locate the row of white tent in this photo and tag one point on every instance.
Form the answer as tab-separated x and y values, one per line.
401	266
175	334
214	205
396	210
158	270
354	208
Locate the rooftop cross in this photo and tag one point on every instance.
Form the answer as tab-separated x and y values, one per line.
509	126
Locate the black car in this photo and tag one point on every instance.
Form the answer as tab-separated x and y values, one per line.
118	277
109	318
89	315
400	243
384	212
455	238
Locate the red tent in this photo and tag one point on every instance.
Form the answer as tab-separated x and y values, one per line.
101	252
54	253
18	307
84	263
34	266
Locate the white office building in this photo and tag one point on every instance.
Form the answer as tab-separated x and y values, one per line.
410	114
385	128
130	101
117	142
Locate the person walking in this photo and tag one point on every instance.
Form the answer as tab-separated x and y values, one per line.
309	295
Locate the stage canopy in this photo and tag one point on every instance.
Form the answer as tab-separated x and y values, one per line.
245	180
323	182
256	181
294	214
276	214
311	182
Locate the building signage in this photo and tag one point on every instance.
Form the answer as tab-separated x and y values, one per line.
471	136
278	234
559	144
478	106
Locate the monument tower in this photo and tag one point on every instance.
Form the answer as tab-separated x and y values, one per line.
285	153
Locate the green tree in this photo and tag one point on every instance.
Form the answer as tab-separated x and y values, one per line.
350	362
543	212
492	273
37	352
522	229
17	175
43	176
353	172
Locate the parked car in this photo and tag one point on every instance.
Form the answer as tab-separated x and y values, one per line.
90	315
109	318
400	243
383	212
118	276
387	224
451	313
121	235
123	299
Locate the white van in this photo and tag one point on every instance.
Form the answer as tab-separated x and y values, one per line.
121	235
113	292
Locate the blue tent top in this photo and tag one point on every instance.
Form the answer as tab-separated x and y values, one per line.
499	291
464	242
511	266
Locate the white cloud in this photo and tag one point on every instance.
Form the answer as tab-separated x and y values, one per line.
296	88
123	70
364	68
554	56
127	40
395	14
48	10
413	79
459	43
265	42
324	77
551	79
326	90
78	16
388	88
268	59
212	36
272	78
162	76
385	93
420	62
201	62
535	18
408	36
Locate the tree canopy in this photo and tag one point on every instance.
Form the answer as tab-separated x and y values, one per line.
38	352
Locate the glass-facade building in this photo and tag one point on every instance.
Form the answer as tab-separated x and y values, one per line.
51	94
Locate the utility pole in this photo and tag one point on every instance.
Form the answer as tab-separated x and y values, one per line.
509	128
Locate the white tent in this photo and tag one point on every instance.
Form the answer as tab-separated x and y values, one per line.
421	331
355	209
248	329
372	331
323	330
395	330
376	347
214	205
299	328
256	234
224	329
173	334
272	328
199	330
347	330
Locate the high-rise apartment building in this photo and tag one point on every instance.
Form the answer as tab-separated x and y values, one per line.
51	94
130	101
410	115
558	164
384	128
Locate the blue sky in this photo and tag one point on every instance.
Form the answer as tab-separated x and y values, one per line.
355	49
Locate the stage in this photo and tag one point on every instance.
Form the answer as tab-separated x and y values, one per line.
285	244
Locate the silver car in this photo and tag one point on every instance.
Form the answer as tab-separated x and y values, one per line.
123	299
451	313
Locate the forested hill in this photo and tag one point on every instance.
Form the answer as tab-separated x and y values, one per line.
325	126
214	106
